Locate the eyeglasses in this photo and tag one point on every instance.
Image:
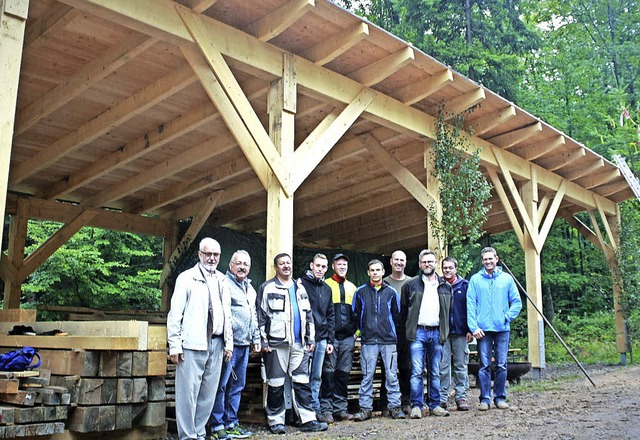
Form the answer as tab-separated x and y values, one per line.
431	262
210	254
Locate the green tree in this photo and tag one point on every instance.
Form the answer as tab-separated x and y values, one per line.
96	268
485	40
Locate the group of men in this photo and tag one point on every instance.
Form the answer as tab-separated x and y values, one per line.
306	330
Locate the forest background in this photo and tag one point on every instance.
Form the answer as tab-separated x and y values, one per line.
575	64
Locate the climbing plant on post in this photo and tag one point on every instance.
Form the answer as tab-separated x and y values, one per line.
463	190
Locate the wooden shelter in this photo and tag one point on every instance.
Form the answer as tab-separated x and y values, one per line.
291	118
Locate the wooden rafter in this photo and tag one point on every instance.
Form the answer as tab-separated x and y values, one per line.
556	162
200	5
483	124
417	91
86	77
582	170
598	179
382	69
121	112
56	18
331	48
533	152
464	102
278	20
514	137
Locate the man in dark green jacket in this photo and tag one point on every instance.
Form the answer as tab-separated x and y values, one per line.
426	303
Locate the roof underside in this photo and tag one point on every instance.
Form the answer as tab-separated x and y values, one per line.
111	114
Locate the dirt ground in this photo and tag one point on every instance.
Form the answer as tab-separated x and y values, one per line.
568	407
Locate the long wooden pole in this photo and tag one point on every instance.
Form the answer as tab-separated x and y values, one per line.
566	347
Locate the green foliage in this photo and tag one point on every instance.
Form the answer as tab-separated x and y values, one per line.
591	338
96	268
463	190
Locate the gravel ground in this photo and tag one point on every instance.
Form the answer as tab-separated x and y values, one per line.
562	405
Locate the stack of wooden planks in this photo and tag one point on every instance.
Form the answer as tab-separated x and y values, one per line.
113	373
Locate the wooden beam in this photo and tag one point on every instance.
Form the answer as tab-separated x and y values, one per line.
13	17
121	112
278	20
375	72
18	227
553	210
60	237
322	139
204	181
89	75
483	124
607	227
595	180
408	180
533	152
331	48
53	20
143	145
581	170
116	221
192	232
464	102
200	6
226	94
161	171
587	232
556	162
514	137
417	91
513	220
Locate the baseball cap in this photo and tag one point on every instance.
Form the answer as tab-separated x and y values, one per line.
338	256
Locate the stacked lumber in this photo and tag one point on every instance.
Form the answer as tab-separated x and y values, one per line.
30	406
115	383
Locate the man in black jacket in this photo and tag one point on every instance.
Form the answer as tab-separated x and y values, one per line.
323	319
426	302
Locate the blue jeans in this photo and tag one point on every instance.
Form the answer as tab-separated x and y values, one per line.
315	376
426	347
232	381
496	344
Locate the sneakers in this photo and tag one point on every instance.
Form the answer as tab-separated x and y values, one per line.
238	432
219	434
484	406
343	415
501	404
439	411
406	409
416	413
278	429
386	413
444	405
397	413
462	405
325	417
362	415
314	426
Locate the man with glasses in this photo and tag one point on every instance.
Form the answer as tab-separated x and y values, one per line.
457	344
200	338
246	336
426	302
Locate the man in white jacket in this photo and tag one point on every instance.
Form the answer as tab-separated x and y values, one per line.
200	338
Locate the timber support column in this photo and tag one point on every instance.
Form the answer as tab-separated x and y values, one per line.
282	108
535	323
612	259
433	241
15	254
13	18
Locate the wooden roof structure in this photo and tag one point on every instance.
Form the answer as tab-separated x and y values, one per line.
132	115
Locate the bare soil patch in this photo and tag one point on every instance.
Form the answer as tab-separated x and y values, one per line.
564	405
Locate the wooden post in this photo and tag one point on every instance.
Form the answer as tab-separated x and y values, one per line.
535	323
17	240
282	109
13	16
621	328
433	242
169	245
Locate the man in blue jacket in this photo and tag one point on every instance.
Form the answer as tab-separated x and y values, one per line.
376	309
493	302
457	343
